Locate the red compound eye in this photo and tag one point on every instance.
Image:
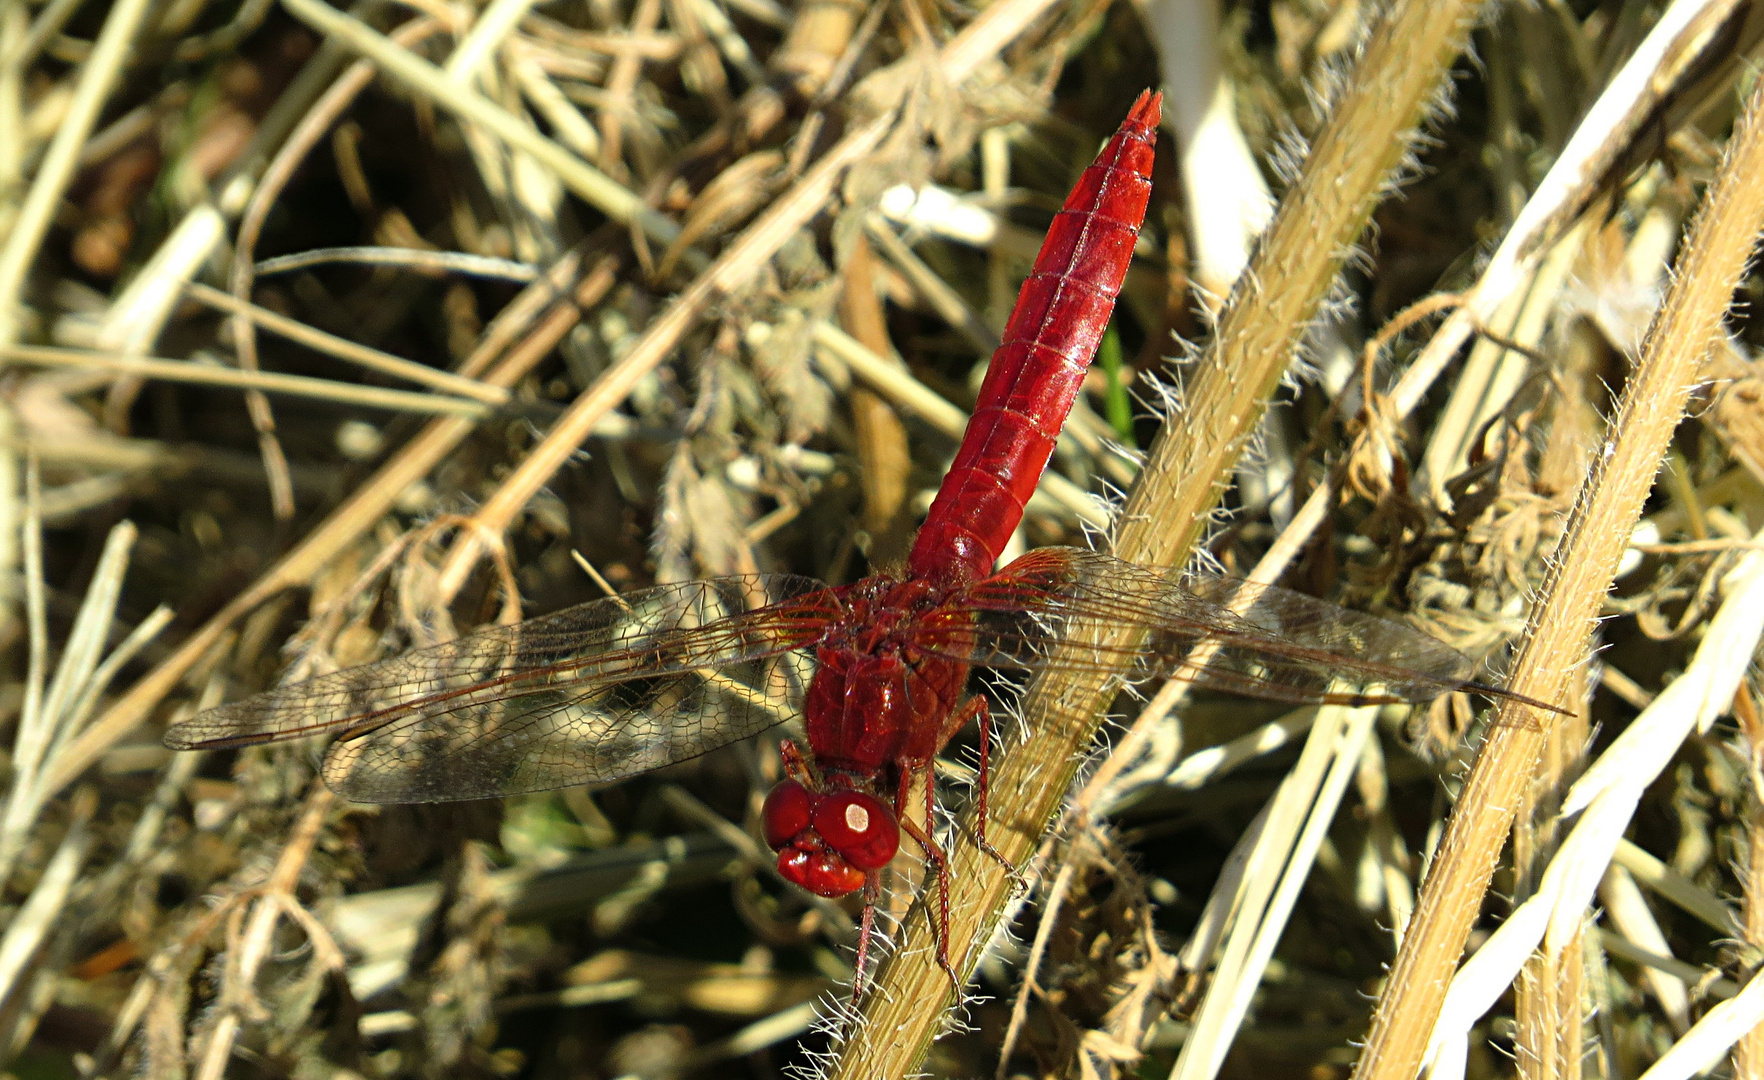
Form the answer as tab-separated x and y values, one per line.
821	872
828	843
859	827
786	813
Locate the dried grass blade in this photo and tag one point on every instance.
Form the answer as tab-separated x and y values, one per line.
1676	889
1564	190
152	367
32	738
734	267
48	900
594	186
1710	1037
1601	138
47	721
346	350
1609	793
97	76
1298	820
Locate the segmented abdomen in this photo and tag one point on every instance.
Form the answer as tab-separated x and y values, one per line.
1034	376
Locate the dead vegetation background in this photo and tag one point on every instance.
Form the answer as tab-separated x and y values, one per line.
333	332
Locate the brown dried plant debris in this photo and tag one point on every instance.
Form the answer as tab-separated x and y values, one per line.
653	175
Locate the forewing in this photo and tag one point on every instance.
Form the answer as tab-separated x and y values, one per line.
1259	641
594	693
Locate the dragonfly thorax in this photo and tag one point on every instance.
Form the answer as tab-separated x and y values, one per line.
882	613
876	710
867	713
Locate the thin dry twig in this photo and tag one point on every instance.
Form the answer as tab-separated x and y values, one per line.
344	349
276	177
598	189
275	899
152	367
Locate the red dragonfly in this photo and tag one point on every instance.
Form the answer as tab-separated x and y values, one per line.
879	670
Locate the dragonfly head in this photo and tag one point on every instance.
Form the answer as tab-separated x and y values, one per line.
829	842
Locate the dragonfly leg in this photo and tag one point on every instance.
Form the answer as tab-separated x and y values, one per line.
933	855
796	765
980	710
866	930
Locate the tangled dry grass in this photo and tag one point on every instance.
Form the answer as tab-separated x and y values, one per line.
333	332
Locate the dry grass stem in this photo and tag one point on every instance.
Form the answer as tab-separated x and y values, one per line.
1599	141
152	367
1555	646
1298	819
1605	799
729	272
356	515
31	221
344	349
1221	179
434	262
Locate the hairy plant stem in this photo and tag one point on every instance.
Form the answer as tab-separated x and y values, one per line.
1551	664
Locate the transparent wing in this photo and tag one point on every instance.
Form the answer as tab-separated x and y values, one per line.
594	693
1272	643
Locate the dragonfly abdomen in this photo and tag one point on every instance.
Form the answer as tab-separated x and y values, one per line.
1034	376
